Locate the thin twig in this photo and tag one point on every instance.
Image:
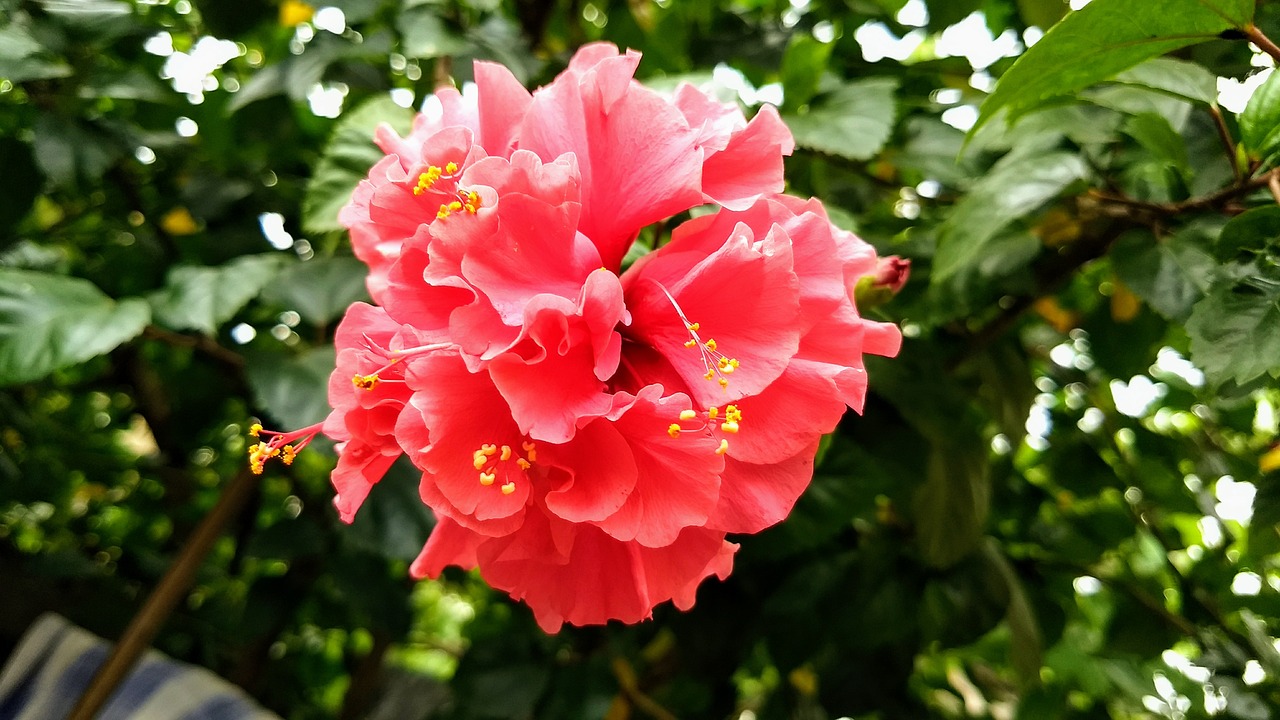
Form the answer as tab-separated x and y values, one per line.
1257	37
1224	134
201	343
1211	201
168	593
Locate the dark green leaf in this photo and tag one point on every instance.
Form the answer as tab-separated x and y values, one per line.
321	289
1255	232
1104	38
23	58
49	322
393	522
1170	275
1260	121
202	298
853	122
1235	333
346	161
1042	13
951	507
1154	133
803	64
424	34
19	185
1014	187
294	390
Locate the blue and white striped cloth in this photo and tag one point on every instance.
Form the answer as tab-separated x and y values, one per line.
55	660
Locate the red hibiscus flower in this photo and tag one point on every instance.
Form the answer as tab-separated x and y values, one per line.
587	436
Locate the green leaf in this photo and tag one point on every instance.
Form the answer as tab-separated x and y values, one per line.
1255	232
951	507
49	322
1042	13
424	34
23	58
294	390
1170	275
202	298
1026	649
803	64
100	19
1235	332
1171	76
393	522
1104	38
1015	187
346	161
854	121
1154	133
1260	121
320	289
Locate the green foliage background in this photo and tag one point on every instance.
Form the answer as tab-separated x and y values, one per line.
1005	533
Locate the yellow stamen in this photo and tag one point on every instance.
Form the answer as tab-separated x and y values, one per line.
508	488
724	447
365	382
254	429
695	327
506	453
487	478
288	455
451	167
688	414
673	430
729	427
523	464
711	344
531	450
714	412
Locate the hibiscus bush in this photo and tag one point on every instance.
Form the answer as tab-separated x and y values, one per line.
747	358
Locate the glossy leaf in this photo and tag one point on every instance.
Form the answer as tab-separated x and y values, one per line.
346	160
321	289
1103	39
49	322
202	298
1235	332
853	121
1260	121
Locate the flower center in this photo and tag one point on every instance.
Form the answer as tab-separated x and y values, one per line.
370	381
726	420
454	199
285	446
718	365
494	462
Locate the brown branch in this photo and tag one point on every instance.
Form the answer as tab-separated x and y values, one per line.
1257	37
168	593
1274	186
1224	135
201	343
1216	200
630	687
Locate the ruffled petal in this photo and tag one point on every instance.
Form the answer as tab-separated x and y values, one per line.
754	497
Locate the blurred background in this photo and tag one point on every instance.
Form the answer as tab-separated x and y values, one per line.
1056	504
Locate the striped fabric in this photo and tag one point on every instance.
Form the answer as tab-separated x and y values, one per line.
55	660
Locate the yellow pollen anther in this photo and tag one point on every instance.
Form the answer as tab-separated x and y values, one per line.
365	382
729	427
508	488
479	461
711	344
254	429
695	327
688	414
724	382
506	453
288	455
673	430
691	343
442	213
451	167
724	447
714	412
487	478
531	450
522	463
710	375
489	449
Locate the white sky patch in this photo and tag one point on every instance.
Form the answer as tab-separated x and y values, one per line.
1136	397
1234	94
961	117
1091	421
878	42
402	97
326	100
192	73
1087	585
914	13
731	79
1210	531
1183	665
243	333
186	127
1235	499
1032	36
331	19
272	225
971	39
1171	361
1253	673
1077	4
1246	584
159	44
